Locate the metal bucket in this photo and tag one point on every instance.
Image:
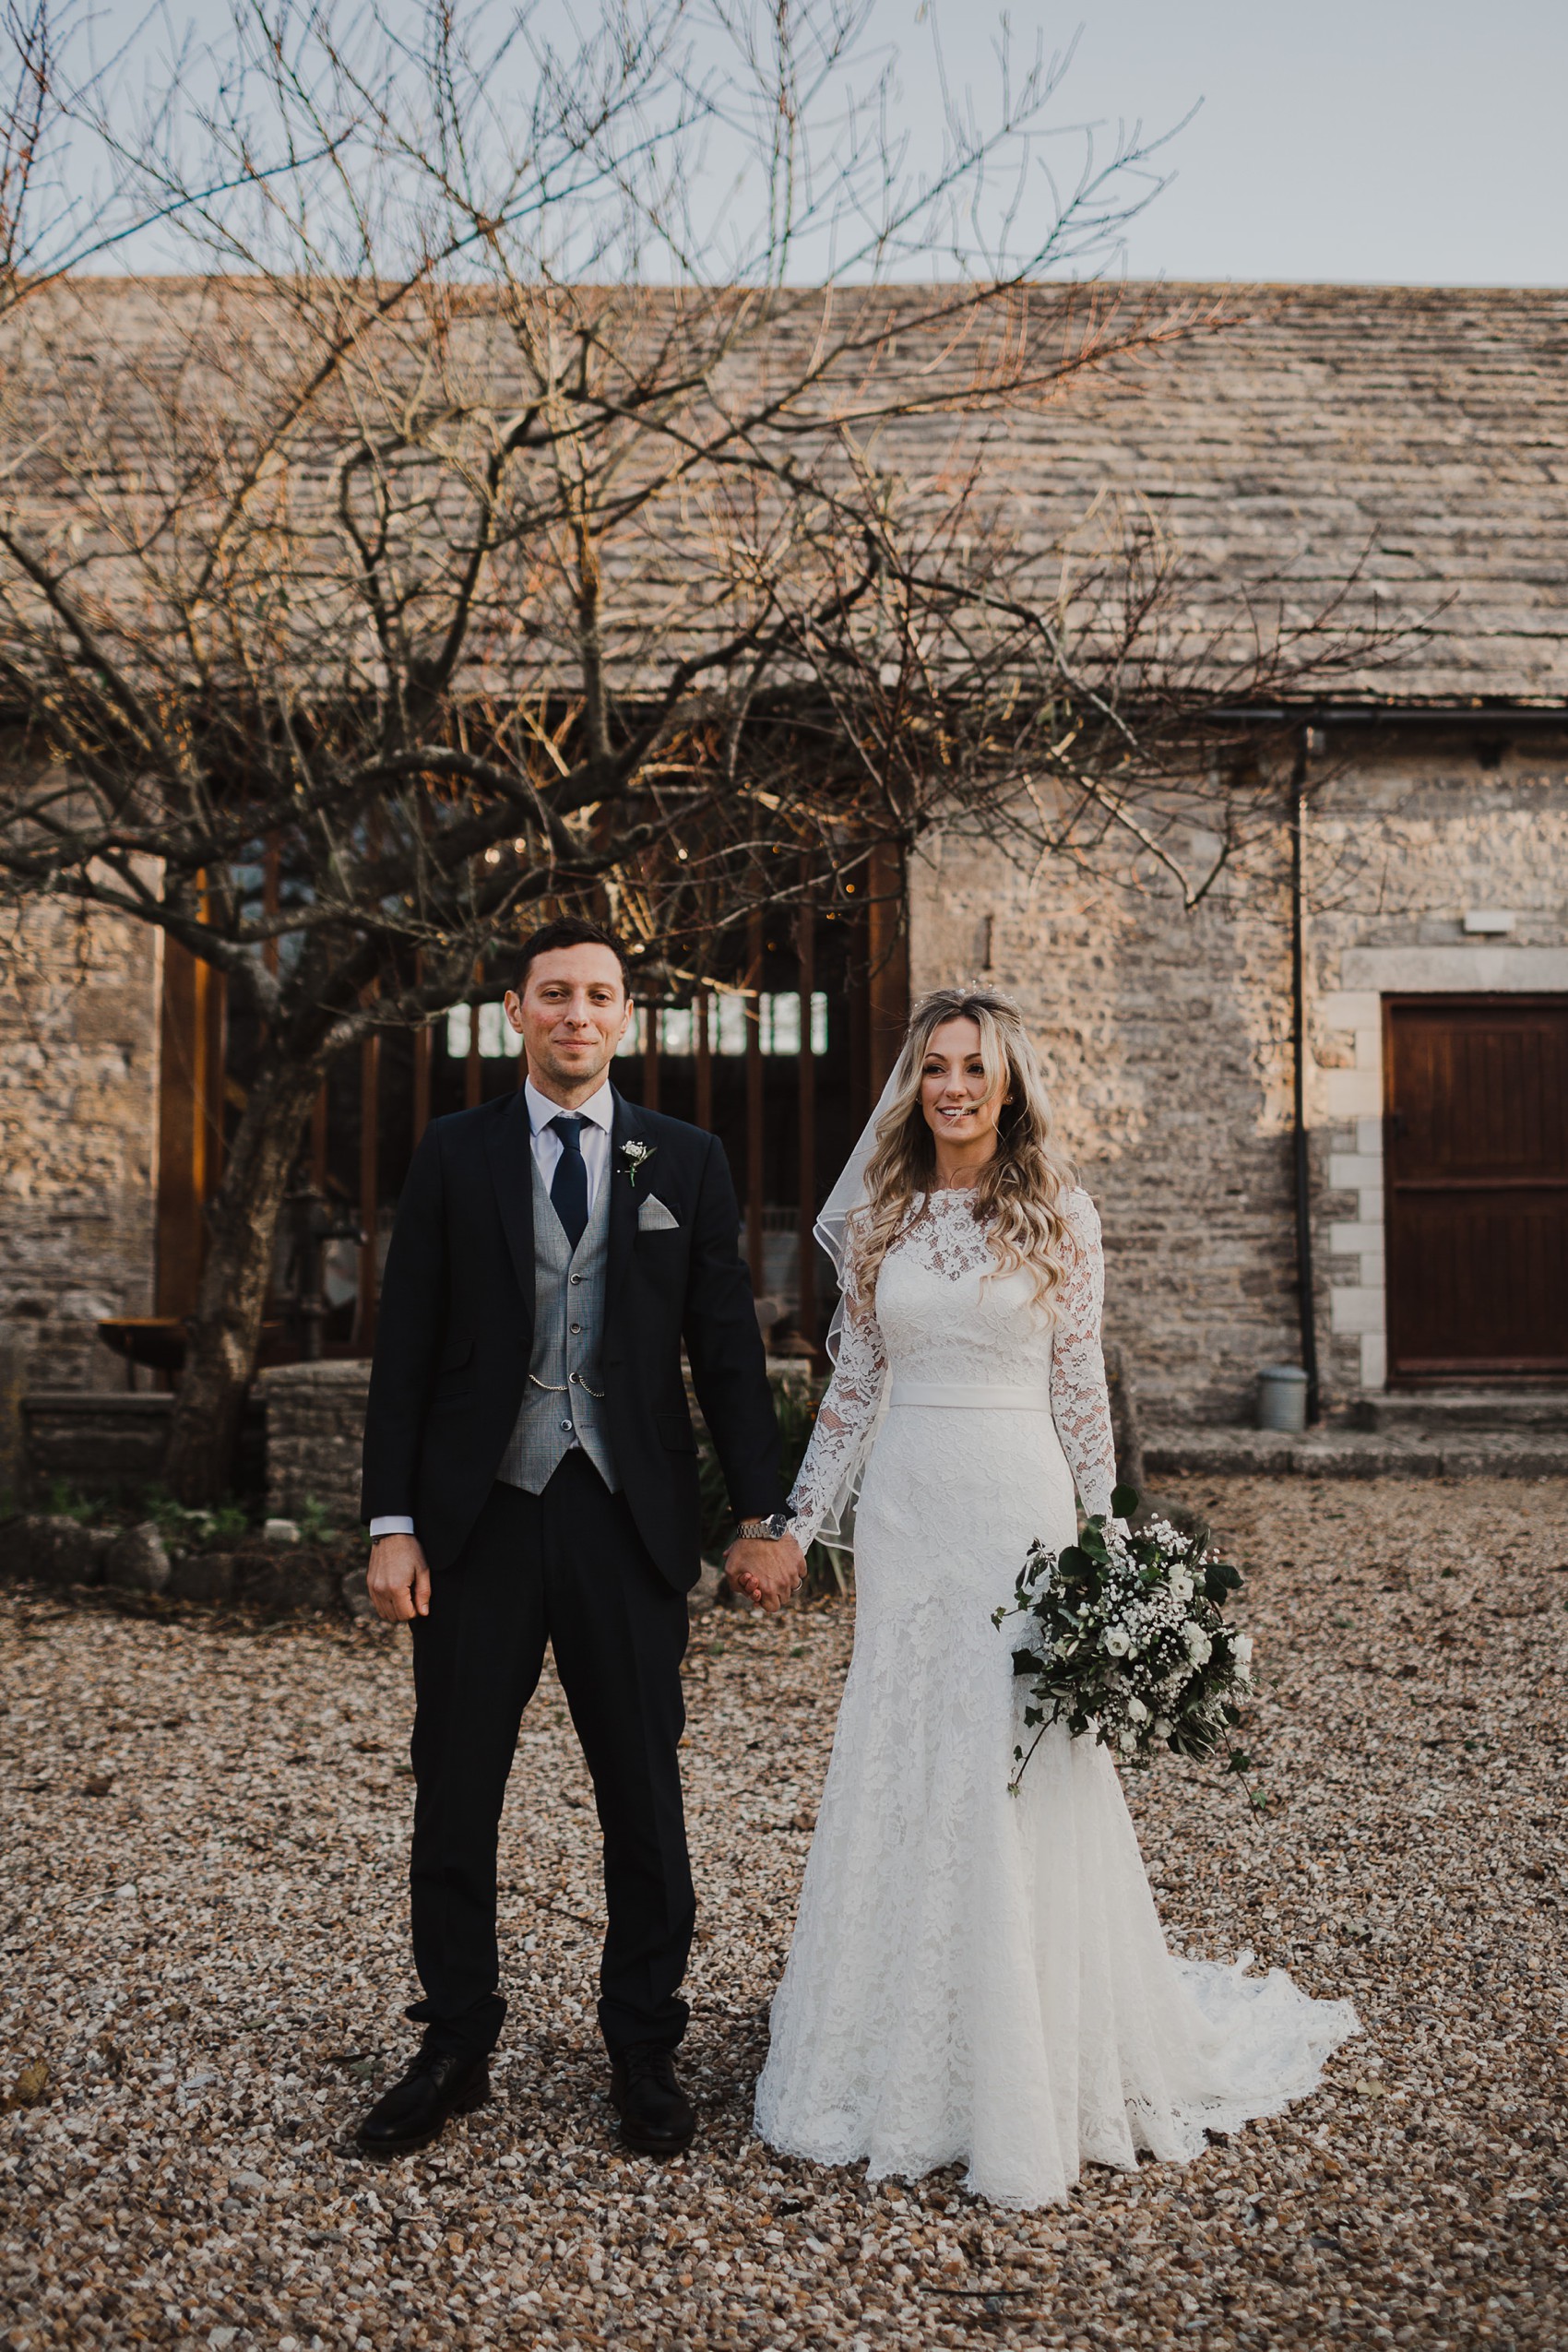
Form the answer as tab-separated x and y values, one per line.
1282	1397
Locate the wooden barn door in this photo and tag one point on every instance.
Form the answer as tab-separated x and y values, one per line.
1476	1155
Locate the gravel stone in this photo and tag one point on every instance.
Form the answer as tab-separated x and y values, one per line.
203	1972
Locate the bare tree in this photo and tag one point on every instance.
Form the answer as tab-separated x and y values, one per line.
474	532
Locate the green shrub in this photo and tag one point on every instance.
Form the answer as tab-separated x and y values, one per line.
68	1501
313	1522
230	1523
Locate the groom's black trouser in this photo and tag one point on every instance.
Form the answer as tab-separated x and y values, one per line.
566	1567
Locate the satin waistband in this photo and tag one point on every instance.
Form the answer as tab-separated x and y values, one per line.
961	1394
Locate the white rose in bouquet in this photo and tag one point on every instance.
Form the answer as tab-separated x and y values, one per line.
1126	1643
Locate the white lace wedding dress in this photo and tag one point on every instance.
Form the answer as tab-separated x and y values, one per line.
976	1977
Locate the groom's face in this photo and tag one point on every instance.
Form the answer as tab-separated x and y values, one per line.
571	1015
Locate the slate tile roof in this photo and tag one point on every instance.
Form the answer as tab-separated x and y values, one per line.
1417	432
1414	440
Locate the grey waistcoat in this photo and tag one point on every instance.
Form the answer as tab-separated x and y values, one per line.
564	1397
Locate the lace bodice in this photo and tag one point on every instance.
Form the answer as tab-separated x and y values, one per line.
936	1317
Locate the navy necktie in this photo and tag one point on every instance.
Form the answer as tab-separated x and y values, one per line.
569	1188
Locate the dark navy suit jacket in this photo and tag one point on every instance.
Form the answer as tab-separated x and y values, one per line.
454	1333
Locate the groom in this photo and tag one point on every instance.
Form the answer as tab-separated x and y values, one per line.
530	1478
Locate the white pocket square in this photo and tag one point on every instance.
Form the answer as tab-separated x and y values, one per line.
654	1217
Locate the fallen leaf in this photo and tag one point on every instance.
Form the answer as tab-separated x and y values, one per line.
31	2084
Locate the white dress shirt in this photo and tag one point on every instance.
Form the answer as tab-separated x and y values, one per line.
597	1114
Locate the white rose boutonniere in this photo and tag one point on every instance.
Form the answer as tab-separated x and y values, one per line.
634	1156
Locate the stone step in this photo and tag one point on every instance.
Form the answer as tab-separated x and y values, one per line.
110	1442
1356	1454
1434	1410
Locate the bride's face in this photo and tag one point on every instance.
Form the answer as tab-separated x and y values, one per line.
953	1090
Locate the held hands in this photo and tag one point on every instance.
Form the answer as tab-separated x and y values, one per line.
766	1569
398	1579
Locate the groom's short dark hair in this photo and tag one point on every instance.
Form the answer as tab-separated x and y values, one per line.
569	930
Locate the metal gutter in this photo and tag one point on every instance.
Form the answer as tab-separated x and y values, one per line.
1306	1304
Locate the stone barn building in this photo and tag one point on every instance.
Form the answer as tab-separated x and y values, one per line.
1387	1206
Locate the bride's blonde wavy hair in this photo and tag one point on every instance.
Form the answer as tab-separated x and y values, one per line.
1020	1194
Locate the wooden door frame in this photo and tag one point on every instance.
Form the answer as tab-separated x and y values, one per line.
1458	1374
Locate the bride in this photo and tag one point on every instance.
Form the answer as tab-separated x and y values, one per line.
976	1977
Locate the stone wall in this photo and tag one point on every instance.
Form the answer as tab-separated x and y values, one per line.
1167	1038
314	1427
78	1138
1400	851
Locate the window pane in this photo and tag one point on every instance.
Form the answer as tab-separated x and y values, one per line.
781	1023
457	1032
492	1032
732	1024
632	1040
676	1029
819	1021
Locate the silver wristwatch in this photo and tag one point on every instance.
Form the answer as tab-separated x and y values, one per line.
765	1530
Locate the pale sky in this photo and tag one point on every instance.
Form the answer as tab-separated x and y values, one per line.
1410	141
1384	141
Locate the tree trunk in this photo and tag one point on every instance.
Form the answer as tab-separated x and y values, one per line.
225	1331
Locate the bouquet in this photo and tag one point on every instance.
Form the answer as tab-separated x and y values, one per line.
1126	1640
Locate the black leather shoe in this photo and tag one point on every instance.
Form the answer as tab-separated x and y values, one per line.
656	2115
439	2085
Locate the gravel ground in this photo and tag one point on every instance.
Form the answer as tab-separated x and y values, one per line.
202	1927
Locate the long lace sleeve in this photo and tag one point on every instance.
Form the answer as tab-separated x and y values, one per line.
843	1427
1079	1405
